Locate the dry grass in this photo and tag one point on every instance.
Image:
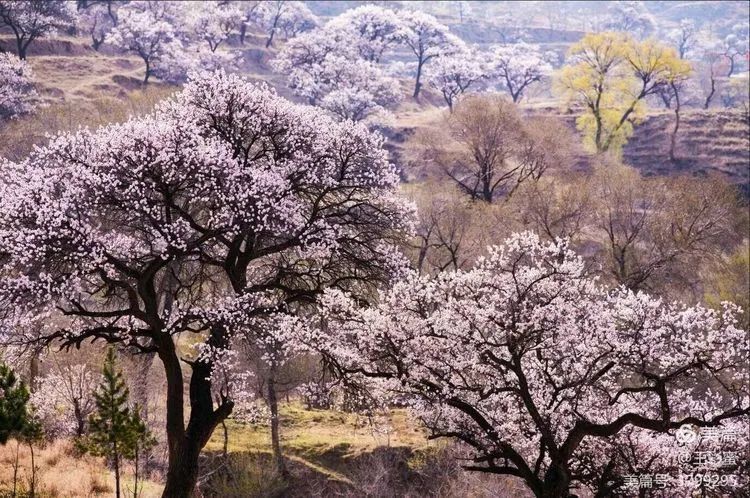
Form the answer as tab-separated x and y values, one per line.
19	137
61	473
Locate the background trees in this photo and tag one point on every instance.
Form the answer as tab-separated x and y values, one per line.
517	66
63	399
147	29
97	21
427	39
609	77
484	147
34	19
287	16
453	75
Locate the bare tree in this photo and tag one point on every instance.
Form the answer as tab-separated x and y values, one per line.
656	230
488	151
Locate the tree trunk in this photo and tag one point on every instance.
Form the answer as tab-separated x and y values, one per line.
185	444
148	73
556	482
34	368
80	419
243	33
32	485
225	433
21	50
673	138
731	67
710	95
135	473
111	14
418	82
269	42
117	474
15	471
273	405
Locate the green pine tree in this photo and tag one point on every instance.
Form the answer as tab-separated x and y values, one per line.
15	417
115	431
17	420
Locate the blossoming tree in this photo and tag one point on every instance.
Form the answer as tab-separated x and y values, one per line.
149	30
453	75
372	30
427	38
225	204
17	93
34	19
289	17
517	66
536	368
326	69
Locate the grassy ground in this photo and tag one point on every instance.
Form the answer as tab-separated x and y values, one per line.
61	473
324	440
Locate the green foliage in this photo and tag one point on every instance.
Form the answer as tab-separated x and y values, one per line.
608	76
115	431
16	420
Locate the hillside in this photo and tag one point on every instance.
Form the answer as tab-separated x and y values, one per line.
83	87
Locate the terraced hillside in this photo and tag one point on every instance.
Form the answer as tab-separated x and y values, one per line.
708	142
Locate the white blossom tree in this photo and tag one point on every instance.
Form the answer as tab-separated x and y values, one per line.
213	22
328	72
452	75
736	46
17	93
631	16
64	398
225	204
289	17
539	371
147	29
250	10
373	30
33	19
517	66
684	37
427	38
97	22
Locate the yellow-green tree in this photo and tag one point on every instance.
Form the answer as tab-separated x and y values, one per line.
609	75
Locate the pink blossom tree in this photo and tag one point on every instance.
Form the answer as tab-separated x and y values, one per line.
736	46
225	204
17	93
34	19
328	71
149	30
371	29
684	37
427	38
453	75
517	66
286	16
538	370
64	398
213	22
97	22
